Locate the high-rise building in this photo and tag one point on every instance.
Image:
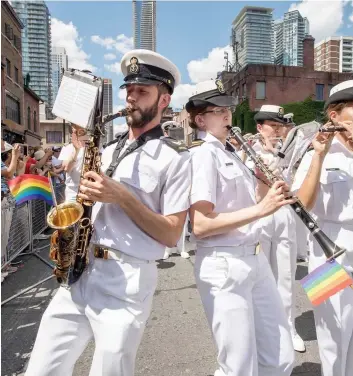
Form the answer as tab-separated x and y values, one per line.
334	54
253	37
108	107
289	35
144	21
36	46
59	61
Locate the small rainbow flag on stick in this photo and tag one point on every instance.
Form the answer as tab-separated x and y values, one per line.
325	281
30	187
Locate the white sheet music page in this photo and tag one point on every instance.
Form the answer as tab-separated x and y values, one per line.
76	101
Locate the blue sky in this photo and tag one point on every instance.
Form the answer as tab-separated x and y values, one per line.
193	34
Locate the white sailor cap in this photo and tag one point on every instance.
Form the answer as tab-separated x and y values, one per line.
170	124
342	92
145	67
210	92
289	118
271	112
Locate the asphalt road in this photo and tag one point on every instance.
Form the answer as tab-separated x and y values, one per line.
177	340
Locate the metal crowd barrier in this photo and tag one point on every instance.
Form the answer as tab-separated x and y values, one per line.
28	221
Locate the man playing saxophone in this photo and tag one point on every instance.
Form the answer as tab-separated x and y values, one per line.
141	200
324	181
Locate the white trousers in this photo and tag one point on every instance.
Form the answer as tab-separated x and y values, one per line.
245	313
110	303
334	317
278	242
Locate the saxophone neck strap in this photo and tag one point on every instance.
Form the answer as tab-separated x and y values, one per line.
154	133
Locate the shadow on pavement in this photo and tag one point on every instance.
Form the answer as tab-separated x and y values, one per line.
21	316
305	325
302	271
307	369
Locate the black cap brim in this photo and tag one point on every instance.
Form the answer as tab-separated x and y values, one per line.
139	81
262	116
345	95
218	101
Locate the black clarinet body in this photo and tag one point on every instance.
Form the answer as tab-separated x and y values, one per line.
330	249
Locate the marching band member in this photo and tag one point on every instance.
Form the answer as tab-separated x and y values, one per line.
235	282
141	206
325	186
278	238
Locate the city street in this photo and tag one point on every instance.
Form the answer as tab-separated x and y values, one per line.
176	342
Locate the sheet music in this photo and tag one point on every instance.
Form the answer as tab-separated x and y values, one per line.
76	101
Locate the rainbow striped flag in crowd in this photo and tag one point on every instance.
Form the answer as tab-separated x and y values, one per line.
325	281
28	187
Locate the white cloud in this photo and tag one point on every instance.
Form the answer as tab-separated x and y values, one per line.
122	94
121	43
109	57
67	36
325	17
207	68
181	95
115	68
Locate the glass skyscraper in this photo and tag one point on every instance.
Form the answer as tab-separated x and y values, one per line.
289	35
36	46
252	36
144	21
59	61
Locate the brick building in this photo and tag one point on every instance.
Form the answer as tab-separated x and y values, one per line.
51	132
276	84
31	119
12	111
334	54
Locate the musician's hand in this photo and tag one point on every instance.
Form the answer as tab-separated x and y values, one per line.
276	197
322	142
346	124
101	189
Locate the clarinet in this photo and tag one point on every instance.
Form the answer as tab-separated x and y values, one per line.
330	249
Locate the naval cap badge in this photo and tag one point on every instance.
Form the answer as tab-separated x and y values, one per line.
134	68
220	86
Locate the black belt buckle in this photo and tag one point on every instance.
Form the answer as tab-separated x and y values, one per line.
101	253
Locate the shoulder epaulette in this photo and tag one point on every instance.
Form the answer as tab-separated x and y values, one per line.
177	145
196	143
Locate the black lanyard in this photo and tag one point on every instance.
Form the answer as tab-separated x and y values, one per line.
152	134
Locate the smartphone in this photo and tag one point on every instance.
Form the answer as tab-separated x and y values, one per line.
24	149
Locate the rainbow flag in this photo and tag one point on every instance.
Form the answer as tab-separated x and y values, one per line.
325	281
28	187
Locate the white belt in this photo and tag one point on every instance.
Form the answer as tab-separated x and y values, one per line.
237	251
107	253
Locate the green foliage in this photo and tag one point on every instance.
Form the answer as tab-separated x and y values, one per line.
244	118
305	111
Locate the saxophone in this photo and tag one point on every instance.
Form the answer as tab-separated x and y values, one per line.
72	220
330	249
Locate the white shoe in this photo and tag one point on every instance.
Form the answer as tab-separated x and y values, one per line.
166	255
184	255
298	343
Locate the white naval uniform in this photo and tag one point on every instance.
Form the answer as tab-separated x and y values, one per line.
278	241
237	288
112	300
334	212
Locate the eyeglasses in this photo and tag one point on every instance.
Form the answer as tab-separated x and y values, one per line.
220	110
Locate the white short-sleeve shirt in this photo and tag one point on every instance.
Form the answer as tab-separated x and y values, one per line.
221	179
160	178
72	180
334	202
